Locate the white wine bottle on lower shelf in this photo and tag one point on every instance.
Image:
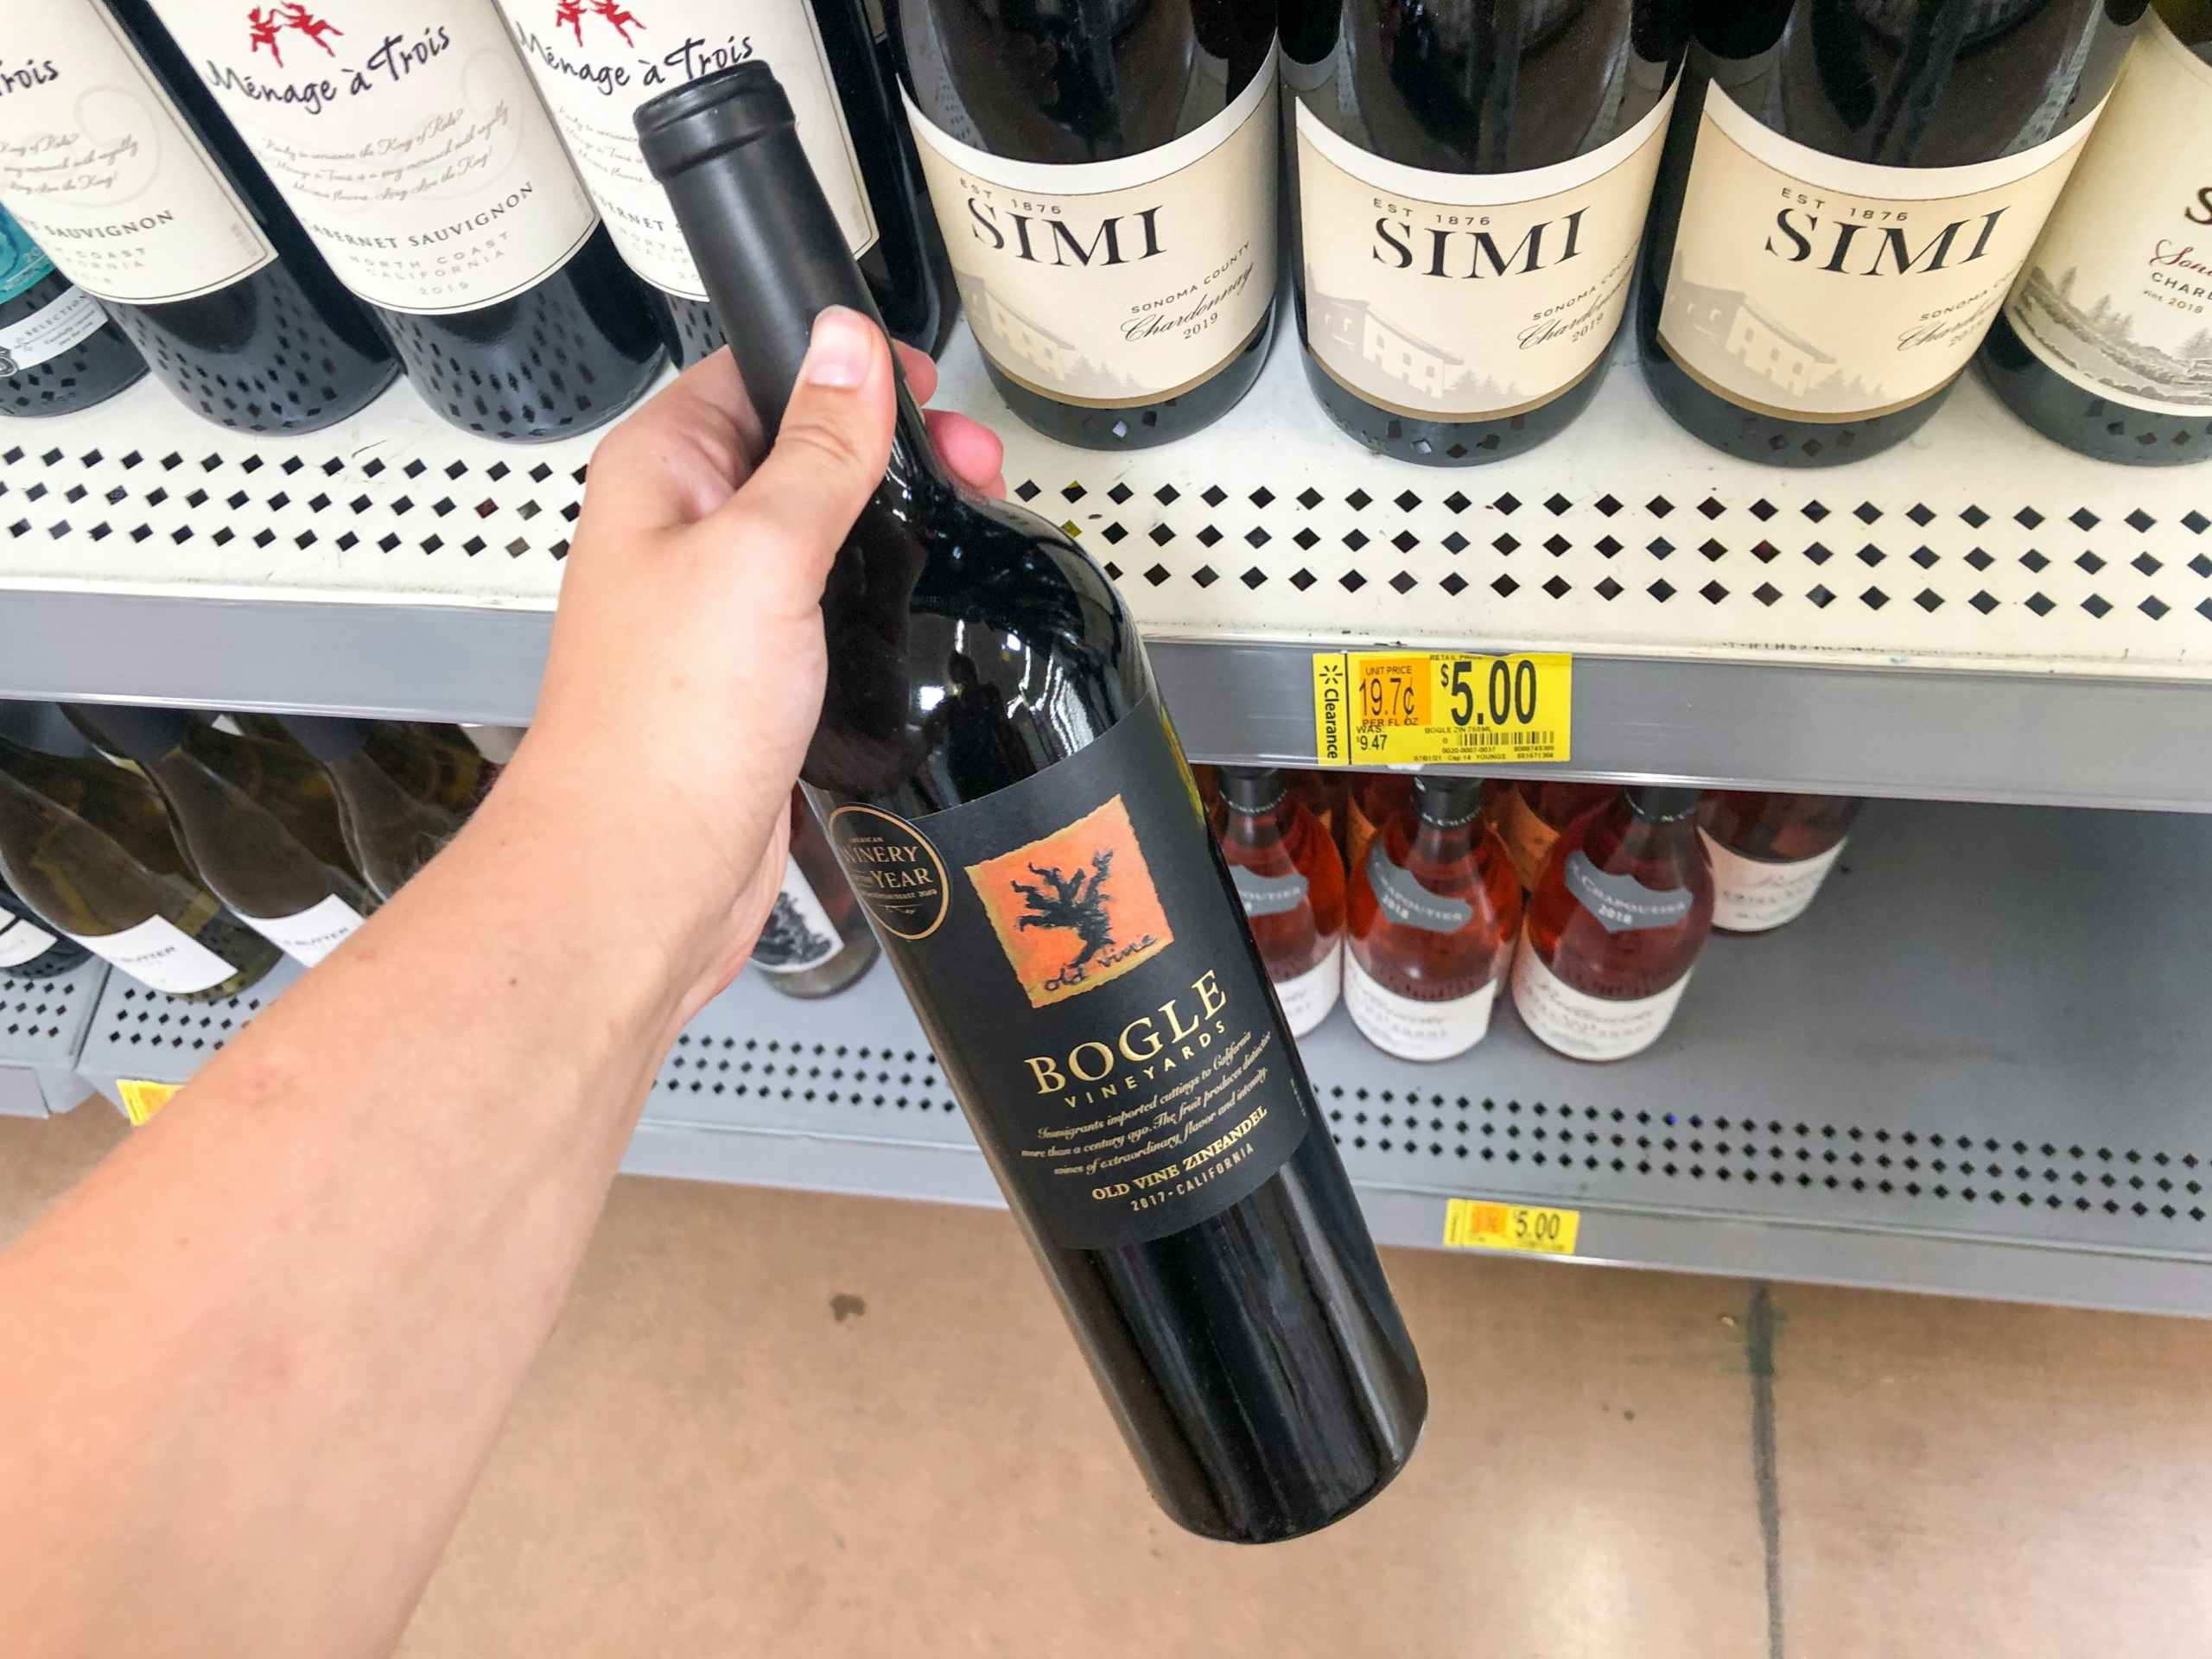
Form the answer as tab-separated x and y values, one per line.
258	821
403	790
86	845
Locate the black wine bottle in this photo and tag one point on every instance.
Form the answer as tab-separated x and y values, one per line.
2106	343
59	352
86	845
1105	175
407	137
996	772
1472	179
114	159
1848	189
403	792
27	949
594	64
257	820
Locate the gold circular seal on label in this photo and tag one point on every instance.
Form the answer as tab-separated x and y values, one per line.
894	871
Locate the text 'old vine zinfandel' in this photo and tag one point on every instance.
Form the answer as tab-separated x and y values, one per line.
997	774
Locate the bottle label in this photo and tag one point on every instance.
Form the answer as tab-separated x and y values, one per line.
1751	895
1464	296
1621	902
1113	284
406	136
313	933
798	934
101	168
1267	895
49	331
161	955
21	941
1405	901
22	263
596	63
1411	1029
1583	1026
1090	989
1814	289
2117	296
1306	998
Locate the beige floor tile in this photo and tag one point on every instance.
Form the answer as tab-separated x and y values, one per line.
41	1158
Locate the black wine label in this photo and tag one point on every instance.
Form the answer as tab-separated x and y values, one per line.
1405	901
1267	895
1621	902
1087	980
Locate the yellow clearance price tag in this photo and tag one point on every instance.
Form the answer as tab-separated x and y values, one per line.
1475	1224
142	1098
1400	708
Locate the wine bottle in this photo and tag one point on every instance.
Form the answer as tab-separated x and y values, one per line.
1848	190
1000	781
1615	925
2106	343
114	159
1435	912
593	63
1105	176
58	353
1472	179
258	822
403	790
816	941
1376	798
1291	882
86	845
27	950
406	136
1530	816
1771	853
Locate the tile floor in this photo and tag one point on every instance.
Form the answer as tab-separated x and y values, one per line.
781	1424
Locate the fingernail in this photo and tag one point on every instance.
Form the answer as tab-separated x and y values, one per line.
841	350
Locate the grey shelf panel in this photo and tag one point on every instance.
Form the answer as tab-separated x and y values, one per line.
42	1026
1979	1065
1973	615
145	1033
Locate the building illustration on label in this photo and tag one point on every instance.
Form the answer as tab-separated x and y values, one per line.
1427	374
786	939
1014	341
1703	321
1076	908
2097	340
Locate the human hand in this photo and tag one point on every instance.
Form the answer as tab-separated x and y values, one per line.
687	665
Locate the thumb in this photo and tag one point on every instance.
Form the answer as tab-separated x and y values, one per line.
828	455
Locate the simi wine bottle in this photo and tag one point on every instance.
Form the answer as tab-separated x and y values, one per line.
257	820
86	844
114	159
1105	174
27	950
403	790
57	350
1291	881
596	63
407	137
996	772
1849	188
2105	344
1472	178
816	941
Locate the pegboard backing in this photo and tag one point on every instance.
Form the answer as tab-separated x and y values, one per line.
42	1025
139	1032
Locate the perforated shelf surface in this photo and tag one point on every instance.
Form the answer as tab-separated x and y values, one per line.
1972	614
42	1023
139	1032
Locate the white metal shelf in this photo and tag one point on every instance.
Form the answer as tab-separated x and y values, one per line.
1974	1067
1977	614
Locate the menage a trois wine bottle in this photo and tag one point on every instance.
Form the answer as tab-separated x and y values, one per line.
815	942
1105	175
1472	178
86	845
997	774
27	950
1848	190
1435	911
1770	854
403	790
115	160
1291	881
59	351
407	137
2106	343
1615	926
595	63
258	821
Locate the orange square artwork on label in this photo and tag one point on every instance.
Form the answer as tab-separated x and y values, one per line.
1076	908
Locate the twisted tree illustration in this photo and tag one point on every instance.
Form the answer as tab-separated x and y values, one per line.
1077	902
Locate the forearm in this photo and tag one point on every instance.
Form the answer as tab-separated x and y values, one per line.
277	1332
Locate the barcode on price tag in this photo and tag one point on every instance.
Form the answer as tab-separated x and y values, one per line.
1477	1224
1400	708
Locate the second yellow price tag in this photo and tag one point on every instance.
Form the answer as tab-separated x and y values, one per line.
1475	1224
1410	708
